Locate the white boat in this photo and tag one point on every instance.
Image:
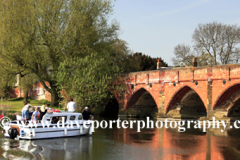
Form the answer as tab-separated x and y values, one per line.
52	125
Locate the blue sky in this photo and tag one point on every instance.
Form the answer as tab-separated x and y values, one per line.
155	27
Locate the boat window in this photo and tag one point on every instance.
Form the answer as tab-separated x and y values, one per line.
59	119
55	120
72	117
80	117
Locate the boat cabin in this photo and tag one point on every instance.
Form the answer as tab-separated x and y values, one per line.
55	117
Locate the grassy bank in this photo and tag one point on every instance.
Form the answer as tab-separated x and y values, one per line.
14	106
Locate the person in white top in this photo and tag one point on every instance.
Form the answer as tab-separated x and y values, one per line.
35	115
71	106
25	111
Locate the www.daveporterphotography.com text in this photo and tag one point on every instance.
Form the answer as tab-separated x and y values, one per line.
181	125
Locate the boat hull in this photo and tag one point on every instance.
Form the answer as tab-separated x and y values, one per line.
53	131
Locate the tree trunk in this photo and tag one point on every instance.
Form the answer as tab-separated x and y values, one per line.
54	97
25	94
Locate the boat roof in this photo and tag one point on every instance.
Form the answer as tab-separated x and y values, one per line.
63	114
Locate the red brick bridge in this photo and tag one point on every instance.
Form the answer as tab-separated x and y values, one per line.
186	92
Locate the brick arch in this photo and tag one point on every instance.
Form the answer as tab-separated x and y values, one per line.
231	106
136	95
178	96
186	96
226	94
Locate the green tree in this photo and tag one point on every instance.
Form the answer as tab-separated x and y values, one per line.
7	79
26	83
36	36
122	57
7	82
89	79
129	62
146	62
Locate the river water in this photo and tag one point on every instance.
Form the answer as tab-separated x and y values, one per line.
119	144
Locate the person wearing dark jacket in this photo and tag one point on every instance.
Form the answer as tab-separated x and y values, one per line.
86	114
43	111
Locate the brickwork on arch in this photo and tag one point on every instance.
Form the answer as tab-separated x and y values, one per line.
145	81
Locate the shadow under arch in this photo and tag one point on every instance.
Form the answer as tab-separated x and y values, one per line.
225	95
111	108
234	109
142	104
228	103
186	103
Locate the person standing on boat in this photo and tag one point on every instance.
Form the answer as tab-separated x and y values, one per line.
25	111
35	115
43	111
71	106
86	114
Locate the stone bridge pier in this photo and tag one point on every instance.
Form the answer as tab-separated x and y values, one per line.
188	92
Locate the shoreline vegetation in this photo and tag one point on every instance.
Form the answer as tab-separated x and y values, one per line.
13	106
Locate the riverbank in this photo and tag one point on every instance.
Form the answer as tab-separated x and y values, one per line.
13	106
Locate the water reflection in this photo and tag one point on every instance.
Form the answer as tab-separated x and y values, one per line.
62	148
121	144
10	150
